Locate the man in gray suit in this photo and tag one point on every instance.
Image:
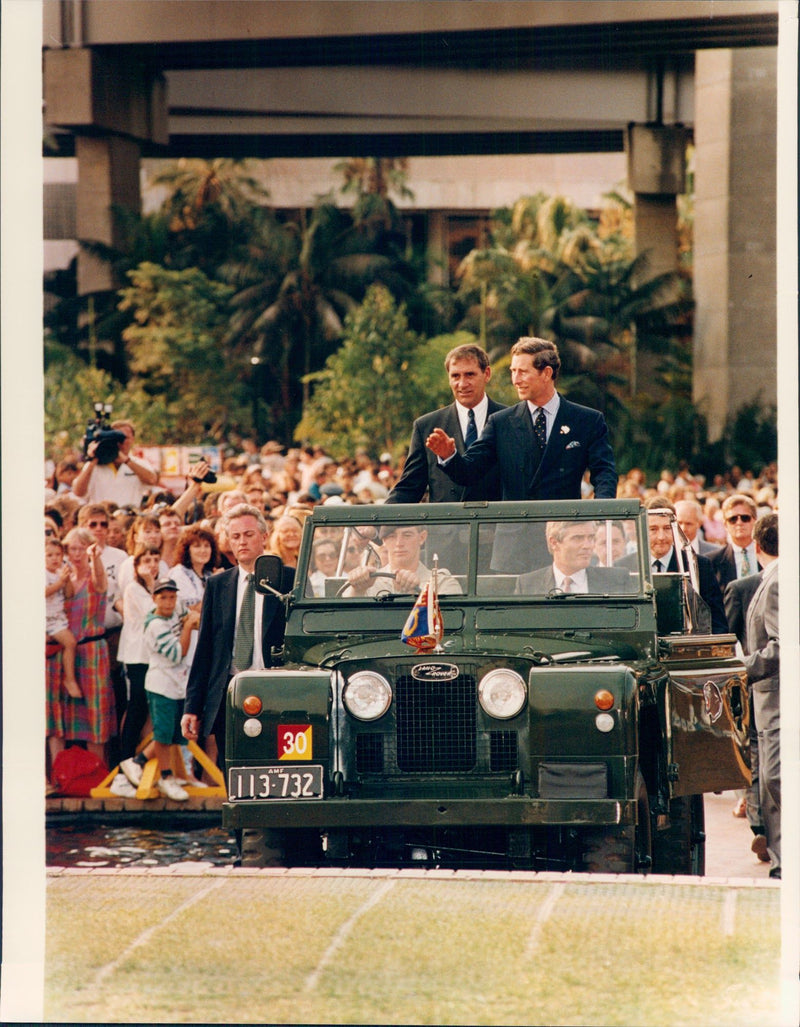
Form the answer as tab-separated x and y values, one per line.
763	669
738	595
571	544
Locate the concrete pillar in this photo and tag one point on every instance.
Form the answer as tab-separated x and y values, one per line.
657	175
438	270
108	175
111	104
735	226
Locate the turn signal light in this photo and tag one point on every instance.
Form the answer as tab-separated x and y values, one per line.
252	706
603	699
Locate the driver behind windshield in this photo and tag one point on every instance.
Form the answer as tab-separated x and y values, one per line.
402	571
571	544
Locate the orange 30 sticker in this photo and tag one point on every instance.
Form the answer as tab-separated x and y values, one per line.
294	742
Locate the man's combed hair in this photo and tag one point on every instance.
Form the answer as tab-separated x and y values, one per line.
543	351
245	510
765	534
468	351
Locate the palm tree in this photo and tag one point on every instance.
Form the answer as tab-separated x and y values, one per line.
296	281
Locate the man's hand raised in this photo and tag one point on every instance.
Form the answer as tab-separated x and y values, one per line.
440	443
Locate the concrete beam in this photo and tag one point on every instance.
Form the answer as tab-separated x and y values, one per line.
89	92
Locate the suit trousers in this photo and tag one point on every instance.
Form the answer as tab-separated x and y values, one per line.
769	774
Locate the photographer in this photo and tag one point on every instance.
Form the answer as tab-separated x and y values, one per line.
123	478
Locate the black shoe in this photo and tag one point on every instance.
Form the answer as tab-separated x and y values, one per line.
775	873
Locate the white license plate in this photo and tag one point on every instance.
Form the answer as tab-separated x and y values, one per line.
291	782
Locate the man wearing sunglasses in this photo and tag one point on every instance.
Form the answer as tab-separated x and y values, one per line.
737	558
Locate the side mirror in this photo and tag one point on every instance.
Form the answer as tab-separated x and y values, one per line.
269	574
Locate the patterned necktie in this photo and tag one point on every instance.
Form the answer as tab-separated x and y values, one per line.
745	571
472	430
540	428
566	585
243	641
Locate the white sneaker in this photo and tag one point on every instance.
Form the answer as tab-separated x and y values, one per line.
132	770
169	786
121	786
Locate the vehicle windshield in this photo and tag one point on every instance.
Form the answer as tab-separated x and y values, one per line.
485	558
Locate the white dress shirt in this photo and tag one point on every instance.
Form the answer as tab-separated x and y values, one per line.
481	413
258	656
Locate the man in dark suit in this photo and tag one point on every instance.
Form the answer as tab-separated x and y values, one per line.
571	544
689	514
543	445
664	558
737	596
468	372
214	664
737	558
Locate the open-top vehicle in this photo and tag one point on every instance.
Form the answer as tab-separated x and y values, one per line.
519	724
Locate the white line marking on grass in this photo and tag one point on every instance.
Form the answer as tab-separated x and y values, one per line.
145	936
545	913
341	935
729	913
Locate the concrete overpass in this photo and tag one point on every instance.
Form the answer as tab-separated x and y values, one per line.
315	78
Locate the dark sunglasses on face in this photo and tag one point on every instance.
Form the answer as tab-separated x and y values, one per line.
744	518
98	524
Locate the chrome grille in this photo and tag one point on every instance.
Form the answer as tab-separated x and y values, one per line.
436	724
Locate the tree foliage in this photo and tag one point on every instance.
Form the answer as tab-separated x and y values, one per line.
367	393
175	351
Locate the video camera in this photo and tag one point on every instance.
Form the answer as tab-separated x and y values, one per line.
99	430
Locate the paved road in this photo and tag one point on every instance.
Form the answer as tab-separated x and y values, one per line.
728	840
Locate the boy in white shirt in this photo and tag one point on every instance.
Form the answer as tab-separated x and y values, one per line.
166	639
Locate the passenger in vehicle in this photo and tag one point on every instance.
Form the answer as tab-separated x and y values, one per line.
403	572
571	544
325	557
609	539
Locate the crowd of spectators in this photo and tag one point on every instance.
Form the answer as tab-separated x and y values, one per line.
113	554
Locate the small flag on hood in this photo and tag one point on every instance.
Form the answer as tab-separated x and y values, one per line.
424	629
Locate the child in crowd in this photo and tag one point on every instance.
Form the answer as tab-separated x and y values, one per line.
57	588
166	636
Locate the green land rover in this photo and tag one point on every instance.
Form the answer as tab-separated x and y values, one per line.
527	724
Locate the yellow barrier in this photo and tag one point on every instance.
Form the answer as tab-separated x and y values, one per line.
147	786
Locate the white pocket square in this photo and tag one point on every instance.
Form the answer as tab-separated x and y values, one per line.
574	444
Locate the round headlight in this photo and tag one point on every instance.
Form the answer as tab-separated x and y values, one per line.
502	693
367	695
252	727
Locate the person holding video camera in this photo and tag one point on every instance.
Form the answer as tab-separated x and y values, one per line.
110	473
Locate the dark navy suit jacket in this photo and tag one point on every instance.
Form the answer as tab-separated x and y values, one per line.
578	441
422	470
210	672
723	563
737	596
709	589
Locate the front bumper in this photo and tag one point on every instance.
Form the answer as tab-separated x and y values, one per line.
514	811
